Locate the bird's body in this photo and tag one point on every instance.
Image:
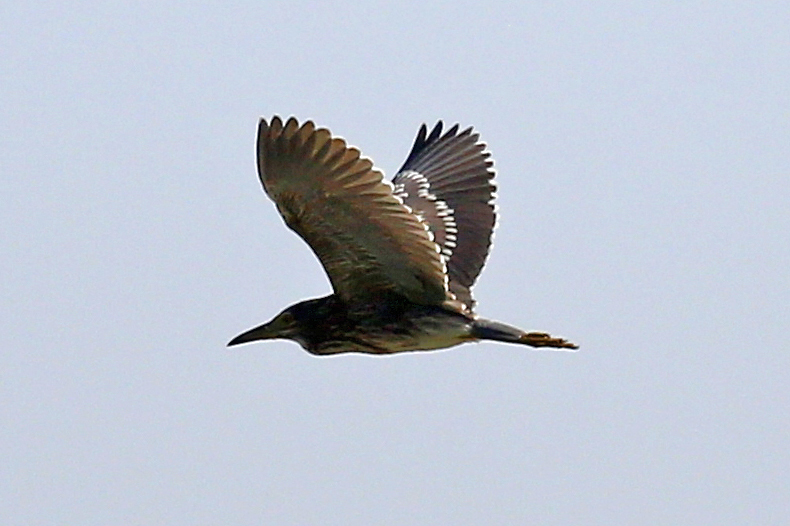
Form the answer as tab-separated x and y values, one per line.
330	325
402	257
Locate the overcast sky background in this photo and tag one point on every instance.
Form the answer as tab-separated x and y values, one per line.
643	157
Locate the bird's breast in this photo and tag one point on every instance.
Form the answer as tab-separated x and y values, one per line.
417	329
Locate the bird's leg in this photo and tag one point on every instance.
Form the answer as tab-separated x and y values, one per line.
542	339
493	330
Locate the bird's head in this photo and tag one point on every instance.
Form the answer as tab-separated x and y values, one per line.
284	325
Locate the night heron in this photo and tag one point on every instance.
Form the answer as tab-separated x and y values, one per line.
402	256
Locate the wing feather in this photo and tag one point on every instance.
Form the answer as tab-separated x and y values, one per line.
448	181
368	241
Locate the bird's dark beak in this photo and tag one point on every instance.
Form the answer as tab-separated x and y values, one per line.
279	327
258	333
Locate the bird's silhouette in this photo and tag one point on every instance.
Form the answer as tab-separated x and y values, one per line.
402	257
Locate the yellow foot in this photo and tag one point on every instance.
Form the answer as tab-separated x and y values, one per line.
541	339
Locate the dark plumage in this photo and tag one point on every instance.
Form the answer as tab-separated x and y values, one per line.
402	257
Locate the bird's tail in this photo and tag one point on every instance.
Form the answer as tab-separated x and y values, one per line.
493	330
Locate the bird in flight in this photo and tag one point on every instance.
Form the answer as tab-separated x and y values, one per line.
402	256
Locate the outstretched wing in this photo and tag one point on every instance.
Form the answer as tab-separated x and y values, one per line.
364	236
447	181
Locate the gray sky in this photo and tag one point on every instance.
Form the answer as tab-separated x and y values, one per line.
644	181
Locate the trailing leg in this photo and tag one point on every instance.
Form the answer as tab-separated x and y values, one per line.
493	330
